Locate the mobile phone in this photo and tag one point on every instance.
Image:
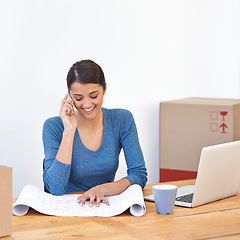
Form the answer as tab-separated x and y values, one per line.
70	98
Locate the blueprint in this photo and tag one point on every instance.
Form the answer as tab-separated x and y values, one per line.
67	204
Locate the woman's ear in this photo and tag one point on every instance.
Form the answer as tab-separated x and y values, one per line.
105	89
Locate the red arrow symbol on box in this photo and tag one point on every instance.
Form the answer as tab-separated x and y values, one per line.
223	126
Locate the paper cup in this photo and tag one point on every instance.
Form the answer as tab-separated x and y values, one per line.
164	197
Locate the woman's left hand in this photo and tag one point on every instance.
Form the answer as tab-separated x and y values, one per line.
96	193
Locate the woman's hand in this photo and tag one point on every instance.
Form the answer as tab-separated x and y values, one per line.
99	192
96	193
67	114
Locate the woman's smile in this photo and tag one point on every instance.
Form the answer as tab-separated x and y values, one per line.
88	99
88	110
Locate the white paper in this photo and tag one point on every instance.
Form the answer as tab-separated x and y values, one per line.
67	205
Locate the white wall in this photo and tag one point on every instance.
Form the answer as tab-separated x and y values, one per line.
150	51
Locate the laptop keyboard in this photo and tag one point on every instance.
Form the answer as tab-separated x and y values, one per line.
186	198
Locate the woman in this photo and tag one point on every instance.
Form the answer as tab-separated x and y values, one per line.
82	147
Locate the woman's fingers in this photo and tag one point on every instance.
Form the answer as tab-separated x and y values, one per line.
92	198
67	107
106	201
82	199
94	194
67	115
103	199
68	101
65	97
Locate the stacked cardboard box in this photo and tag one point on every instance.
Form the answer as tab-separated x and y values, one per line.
5	201
188	125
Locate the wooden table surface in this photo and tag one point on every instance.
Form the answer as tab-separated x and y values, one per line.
218	220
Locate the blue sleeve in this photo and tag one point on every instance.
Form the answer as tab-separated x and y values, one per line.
137	172
55	174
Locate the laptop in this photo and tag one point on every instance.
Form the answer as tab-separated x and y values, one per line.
218	176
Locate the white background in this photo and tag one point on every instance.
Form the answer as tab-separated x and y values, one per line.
150	51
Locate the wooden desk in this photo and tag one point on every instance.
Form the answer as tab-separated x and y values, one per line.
218	220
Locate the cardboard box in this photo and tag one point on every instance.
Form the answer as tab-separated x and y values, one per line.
188	125
5	201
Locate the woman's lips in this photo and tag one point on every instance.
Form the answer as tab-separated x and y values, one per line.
88	110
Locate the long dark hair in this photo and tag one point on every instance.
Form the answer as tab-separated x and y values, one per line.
86	71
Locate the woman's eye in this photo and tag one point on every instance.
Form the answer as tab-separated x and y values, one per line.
78	99
94	96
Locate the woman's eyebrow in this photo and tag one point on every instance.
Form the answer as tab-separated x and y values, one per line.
94	92
76	94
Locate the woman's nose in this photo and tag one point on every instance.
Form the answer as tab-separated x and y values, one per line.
86	103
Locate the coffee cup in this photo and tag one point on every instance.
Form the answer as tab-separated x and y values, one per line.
164	197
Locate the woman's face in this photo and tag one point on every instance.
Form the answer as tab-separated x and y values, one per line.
87	98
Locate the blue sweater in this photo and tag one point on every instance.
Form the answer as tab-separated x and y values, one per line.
90	168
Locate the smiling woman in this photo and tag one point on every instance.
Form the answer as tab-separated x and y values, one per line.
87	98
82	147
